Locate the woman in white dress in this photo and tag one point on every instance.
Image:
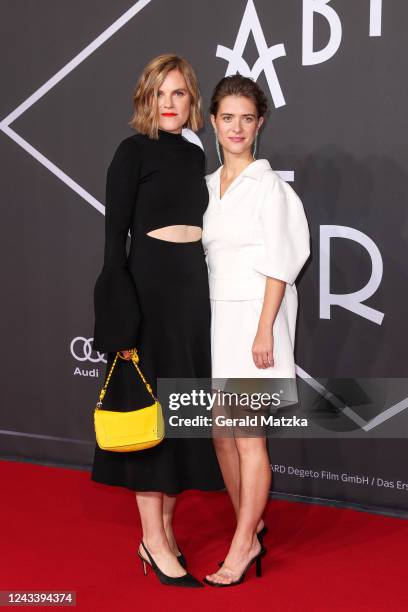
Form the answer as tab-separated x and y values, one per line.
256	239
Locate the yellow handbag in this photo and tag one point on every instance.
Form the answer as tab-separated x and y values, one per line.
128	431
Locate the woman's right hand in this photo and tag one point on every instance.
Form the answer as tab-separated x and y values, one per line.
126	354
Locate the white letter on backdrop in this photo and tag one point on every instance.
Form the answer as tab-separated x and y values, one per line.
310	7
250	24
375	17
349	301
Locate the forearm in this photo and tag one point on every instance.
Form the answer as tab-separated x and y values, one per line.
274	292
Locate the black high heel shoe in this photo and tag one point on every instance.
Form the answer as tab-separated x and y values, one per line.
260	535
182	560
258	565
183	581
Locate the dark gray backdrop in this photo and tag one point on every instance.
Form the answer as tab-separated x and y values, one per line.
67	72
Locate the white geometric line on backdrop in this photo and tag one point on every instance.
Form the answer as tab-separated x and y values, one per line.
346	410
52	82
24	434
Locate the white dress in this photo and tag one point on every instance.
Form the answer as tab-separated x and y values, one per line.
257	229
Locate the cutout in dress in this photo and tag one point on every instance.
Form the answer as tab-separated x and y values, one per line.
167	233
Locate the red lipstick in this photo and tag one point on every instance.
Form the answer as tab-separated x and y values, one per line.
169	114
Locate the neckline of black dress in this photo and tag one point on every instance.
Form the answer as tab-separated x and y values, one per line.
170	137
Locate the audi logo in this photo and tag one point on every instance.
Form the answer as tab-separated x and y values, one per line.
81	350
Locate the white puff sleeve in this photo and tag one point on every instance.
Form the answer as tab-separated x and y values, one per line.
284	232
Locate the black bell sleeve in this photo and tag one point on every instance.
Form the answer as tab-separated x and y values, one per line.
117	310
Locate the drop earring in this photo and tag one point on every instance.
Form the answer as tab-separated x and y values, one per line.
217	146
255	146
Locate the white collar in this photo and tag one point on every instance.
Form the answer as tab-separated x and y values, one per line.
254	170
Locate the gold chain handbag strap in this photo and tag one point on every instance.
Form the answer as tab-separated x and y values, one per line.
135	360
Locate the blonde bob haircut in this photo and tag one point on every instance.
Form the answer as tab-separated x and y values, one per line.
145	118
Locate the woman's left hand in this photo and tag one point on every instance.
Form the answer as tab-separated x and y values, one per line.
126	354
262	349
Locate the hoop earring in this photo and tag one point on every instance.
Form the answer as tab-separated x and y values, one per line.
255	146
217	146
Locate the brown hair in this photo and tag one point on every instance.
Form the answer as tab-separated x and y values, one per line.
145	117
238	85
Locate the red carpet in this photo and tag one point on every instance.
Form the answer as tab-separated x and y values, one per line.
61	531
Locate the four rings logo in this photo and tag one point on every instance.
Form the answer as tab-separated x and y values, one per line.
81	350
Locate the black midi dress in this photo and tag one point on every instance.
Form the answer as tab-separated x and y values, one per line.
156	298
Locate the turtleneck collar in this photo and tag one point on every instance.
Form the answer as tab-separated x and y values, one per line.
170	136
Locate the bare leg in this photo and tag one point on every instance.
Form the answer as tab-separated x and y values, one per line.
169	503
228	458
150	506
253	494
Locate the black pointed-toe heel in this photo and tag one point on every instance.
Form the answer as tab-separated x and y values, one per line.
258	567
182	581
260	535
182	560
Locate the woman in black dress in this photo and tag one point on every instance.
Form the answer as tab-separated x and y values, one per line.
156	299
